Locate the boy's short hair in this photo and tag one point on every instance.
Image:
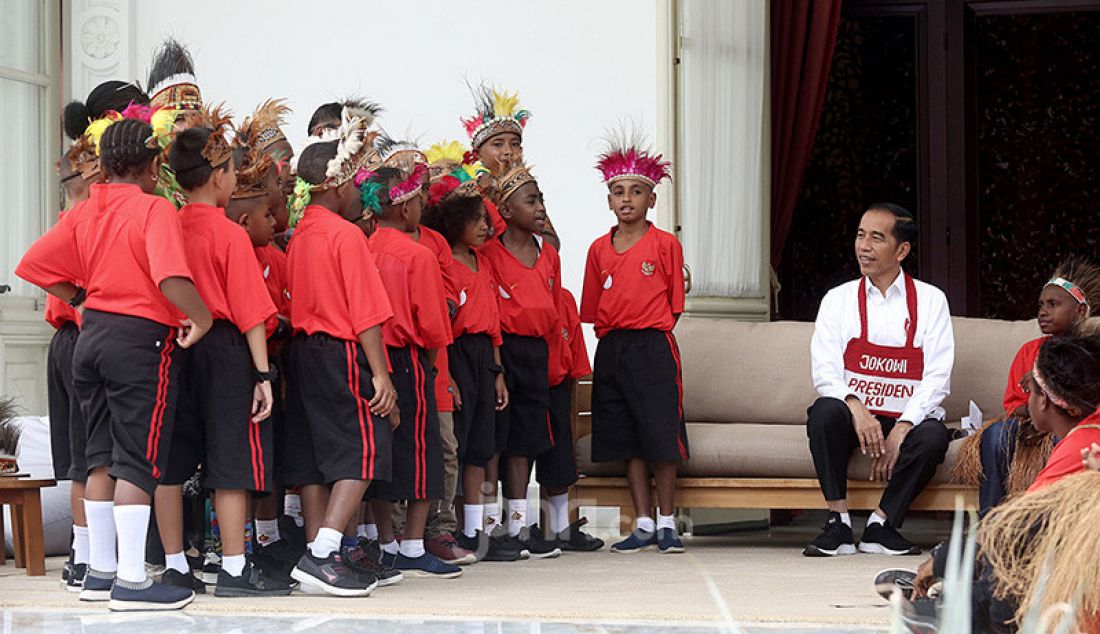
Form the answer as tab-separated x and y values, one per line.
186	160
313	163
326	113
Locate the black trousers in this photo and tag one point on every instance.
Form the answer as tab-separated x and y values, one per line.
833	439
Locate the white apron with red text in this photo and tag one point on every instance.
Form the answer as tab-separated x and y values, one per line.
884	377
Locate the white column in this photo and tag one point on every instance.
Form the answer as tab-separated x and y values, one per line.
100	39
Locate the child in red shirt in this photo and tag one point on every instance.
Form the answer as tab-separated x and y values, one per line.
341	392
527	274
126	246
634	294
227	383
414	335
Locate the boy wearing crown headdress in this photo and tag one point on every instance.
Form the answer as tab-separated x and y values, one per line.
634	294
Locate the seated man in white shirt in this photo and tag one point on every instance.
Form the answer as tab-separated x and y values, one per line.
882	354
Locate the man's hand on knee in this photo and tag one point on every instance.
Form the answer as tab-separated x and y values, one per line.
868	429
893	449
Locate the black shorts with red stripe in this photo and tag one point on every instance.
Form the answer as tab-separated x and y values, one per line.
417	448
126	375
214	419
331	433
556	468
524	426
471	361
637	398
68	433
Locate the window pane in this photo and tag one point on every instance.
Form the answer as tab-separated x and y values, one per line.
21	130
20	33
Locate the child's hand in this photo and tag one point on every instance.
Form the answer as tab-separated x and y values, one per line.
1090	457
385	396
190	333
261	401
456	395
502	393
395	417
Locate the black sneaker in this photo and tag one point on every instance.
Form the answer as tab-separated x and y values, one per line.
509	542
361	563
74	579
97	586
211	567
487	548
573	538
292	533
252	582
668	541
187	580
894	580
835	540
883	539
276	560
536	544
147	596
331	575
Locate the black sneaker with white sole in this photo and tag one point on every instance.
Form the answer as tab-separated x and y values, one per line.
146	596
188	580
331	575
536	545
883	539
836	539
573	538
894	580
359	561
488	548
97	585
252	582
74	580
211	567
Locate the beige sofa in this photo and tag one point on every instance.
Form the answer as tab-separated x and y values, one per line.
746	390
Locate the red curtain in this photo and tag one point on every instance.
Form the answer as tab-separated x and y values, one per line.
803	35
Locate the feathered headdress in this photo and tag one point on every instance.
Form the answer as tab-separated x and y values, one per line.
514	176
218	146
627	156
94	131
254	136
496	112
354	146
83	157
172	82
391	152
369	187
452	171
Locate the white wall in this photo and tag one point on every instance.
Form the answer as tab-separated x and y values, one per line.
579	66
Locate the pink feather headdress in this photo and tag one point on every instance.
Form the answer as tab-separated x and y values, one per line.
627	157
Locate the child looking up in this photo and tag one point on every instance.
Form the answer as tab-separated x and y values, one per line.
418	330
126	247
634	294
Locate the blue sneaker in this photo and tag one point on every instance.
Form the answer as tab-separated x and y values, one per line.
97	586
668	541
426	566
637	541
148	595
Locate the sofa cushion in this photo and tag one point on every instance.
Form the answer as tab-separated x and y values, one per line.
760	373
748	450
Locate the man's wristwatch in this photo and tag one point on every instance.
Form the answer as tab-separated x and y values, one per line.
78	299
270	375
496	368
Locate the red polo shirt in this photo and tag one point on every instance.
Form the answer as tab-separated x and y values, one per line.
57	311
437	244
333	283
638	289
525	295
1022	363
568	354
1066	458
121	243
223	266
411	277
497	225
273	265
475	296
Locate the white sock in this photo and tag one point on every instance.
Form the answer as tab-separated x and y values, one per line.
492	516
876	519
102	556
517	516
361	531
391	548
645	524
267	532
326	543
666	521
371	532
80	544
846	518
292	506
132	524
233	565
177	562
412	547
471	517
559	513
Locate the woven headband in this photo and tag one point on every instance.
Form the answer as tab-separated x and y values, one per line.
1070	288
1054	398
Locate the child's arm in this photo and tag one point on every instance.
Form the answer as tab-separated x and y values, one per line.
385	396
183	294
261	395
501	387
592	288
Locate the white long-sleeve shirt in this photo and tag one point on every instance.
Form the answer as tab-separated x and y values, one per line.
838	322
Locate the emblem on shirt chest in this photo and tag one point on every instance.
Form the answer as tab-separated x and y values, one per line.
550	282
267	271
462	297
648	268
565	333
